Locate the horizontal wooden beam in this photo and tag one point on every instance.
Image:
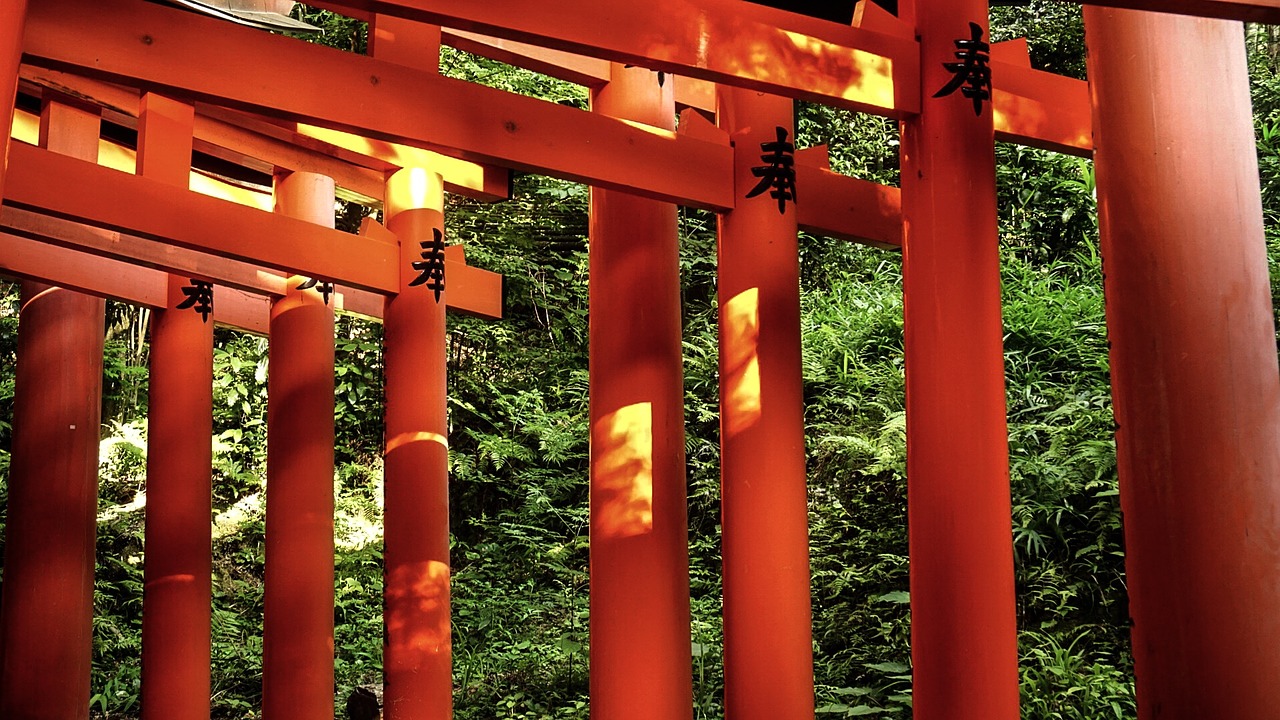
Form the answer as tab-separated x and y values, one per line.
833	205
1259	11
124	159
577	69
27	259
472	291
262	146
65	187
479	182
831	199
192	57
723	41
274	75
1032	107
1037	108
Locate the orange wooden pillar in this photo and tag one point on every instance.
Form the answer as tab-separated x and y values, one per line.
176	587
46	614
13	19
963	620
297	663
1193	361
641	665
768	652
417	654
417	658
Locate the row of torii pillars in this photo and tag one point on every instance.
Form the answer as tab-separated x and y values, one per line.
1197	402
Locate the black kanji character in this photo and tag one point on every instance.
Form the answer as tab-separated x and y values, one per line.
779	174
325	288
972	73
431	266
199	296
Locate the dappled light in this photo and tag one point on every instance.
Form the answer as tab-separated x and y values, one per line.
408	438
418	610
670	482
622	473
739	44
740	333
459	172
413	187
1064	126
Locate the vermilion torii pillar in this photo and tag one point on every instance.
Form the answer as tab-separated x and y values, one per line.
417	659
768	651
641	665
963	620
417	651
178	565
46	614
297	662
13	19
1193	361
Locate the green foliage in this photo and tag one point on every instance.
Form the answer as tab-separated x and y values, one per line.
1054	33
519	452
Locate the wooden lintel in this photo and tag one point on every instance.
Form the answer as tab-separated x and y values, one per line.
260	145
1041	109
847	208
28	259
81	250
477	181
511	129
39	180
195	58
1032	107
724	41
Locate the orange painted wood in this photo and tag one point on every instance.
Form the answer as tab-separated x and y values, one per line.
475	292
139	251
486	183
265	146
12	22
176	639
963	636
23	258
768	665
835	205
159	211
705	169
46	608
1193	361
417	655
723	41
1259	11
404	42
277	76
847	208
640	662
1033	107
1041	109
417	650
578	69
297	628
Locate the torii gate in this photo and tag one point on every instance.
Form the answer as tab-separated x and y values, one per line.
1197	392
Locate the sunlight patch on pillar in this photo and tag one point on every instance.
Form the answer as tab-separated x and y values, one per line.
740	335
418	610
413	437
413	188
622	472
